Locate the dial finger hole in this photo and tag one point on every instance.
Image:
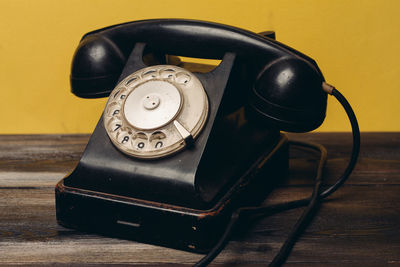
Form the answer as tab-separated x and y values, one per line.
151	73
167	73
182	78
141	135
157	136
131	80
116	93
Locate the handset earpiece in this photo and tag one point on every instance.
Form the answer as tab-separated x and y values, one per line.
288	94
96	67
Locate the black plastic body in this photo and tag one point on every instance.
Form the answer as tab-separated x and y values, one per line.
185	200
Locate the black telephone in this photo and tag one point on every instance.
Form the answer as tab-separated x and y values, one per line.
176	152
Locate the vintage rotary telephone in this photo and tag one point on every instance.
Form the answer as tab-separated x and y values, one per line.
177	153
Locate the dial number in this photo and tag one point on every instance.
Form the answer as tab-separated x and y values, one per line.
116	127
123	138
159	144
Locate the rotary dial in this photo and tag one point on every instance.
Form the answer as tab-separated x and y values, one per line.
155	111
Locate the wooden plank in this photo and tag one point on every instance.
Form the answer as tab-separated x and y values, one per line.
337	233
47	153
358	225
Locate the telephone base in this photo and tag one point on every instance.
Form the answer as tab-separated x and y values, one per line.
169	225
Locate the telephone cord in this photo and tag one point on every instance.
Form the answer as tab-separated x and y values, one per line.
311	202
270	209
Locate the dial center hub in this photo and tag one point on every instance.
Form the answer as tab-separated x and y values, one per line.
152	104
151	101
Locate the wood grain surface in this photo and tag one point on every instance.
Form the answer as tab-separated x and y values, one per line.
357	226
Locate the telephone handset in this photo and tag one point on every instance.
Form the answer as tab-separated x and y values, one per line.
176	152
285	85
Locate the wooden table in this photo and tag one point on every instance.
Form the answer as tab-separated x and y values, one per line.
358	226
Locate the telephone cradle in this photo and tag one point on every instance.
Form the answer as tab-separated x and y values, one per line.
177	150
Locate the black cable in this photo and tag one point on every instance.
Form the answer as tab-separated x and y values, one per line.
312	202
350	166
306	216
221	243
271	209
356	144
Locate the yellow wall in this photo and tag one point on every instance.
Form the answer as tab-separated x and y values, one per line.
355	43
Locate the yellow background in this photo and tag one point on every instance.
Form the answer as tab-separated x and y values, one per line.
355	43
